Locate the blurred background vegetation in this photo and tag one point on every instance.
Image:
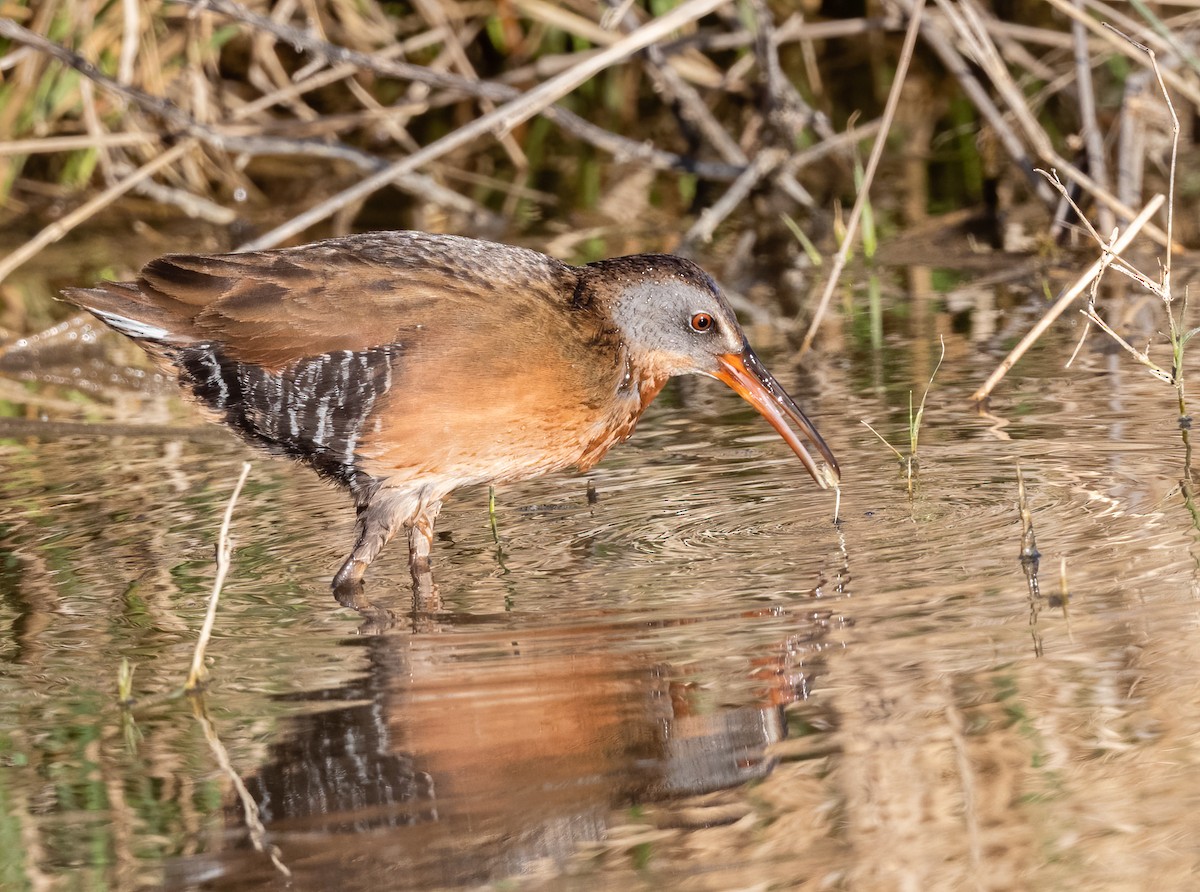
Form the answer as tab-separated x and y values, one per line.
739	136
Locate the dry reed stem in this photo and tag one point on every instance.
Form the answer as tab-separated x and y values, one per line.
620	147
1093	138
959	33
934	34
501	120
182	121
1177	83
59	228
199	122
669	82
1039	36
694	68
416	184
198	673
435	14
966	19
195	206
1122	242
711	217
45	144
889	112
130	33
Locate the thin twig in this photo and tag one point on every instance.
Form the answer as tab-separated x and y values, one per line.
45	144
1140	355
1108	257
1123	241
1180	50
198	672
195	206
1166	94
702	230
1178	337
889	112
1179	84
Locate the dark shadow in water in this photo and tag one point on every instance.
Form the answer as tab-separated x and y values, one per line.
463	758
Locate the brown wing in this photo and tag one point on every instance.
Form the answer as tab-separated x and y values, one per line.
271	308
385	354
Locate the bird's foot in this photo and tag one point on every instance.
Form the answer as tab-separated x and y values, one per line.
350	593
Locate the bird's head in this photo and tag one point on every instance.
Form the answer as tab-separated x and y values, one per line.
674	320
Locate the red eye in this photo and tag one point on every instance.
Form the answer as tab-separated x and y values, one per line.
702	322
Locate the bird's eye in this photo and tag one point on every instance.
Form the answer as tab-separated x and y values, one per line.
702	322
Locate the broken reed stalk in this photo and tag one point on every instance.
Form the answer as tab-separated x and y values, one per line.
889	113
1162	287
1066	298
198	673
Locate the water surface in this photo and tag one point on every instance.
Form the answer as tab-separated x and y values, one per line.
695	679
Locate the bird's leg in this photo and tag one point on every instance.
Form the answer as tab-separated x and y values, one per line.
420	565
377	523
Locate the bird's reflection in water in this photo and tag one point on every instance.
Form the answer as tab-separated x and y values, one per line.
465	757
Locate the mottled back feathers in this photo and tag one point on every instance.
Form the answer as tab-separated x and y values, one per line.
384	354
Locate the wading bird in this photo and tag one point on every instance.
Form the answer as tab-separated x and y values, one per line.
403	365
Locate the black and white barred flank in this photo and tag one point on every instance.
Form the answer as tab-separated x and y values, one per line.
315	409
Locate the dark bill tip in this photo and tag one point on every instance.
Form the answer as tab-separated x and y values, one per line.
747	376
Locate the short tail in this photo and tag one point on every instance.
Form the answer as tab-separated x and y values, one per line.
123	306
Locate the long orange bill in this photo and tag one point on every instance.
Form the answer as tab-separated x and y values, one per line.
746	375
